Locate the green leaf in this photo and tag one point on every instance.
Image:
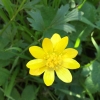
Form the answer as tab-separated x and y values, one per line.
29	4
95	45
82	31
98	23
48	13
4	55
89	14
86	21
94	2
9	85
96	73
60	14
58	21
91	85
73	15
89	11
3	42
1	95
64	16
15	94
92	82
4	63
8	6
3	16
29	93
10	33
66	27
86	71
36	20
26	37
48	33
4	74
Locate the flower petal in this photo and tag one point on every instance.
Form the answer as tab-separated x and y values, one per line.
48	77
70	63
37	52
37	72
61	45
64	74
70	53
47	45
36	63
55	39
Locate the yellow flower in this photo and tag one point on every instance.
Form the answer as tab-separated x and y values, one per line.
53	58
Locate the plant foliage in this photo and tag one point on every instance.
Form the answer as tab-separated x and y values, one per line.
24	23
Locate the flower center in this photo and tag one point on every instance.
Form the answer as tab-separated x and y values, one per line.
53	61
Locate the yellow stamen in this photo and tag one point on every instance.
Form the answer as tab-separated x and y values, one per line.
53	61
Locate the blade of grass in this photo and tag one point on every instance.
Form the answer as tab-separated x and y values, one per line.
3	16
80	6
21	5
11	84
78	40
88	92
56	3
18	56
8	6
95	45
44	2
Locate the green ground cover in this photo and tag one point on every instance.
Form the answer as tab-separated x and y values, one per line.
24	23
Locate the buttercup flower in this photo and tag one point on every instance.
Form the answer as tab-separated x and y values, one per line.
53	58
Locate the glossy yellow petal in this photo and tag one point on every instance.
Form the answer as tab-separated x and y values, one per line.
61	45
49	77
36	63
70	63
55	39
64	75
37	72
47	45
37	52
70	53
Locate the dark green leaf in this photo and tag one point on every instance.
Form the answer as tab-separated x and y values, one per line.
1	95
29	93
29	4
15	94
73	15
48	14
60	14
64	16
3	43
8	6
4	55
83	19
92	82
4	74
4	63
89	11
91	85
36	21
65	27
